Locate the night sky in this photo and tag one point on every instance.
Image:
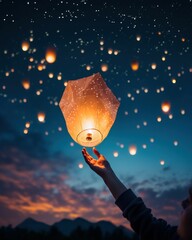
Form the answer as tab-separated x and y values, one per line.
42	172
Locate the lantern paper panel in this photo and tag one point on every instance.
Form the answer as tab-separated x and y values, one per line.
89	108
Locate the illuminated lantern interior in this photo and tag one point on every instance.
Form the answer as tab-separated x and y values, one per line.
41	117
89	108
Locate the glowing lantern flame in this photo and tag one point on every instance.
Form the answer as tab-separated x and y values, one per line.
26	84
165	106
134	65
132	150
50	55
89	108
25	46
41	117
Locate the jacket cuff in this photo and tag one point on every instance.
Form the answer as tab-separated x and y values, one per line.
124	199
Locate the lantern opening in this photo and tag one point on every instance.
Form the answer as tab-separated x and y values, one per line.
89	137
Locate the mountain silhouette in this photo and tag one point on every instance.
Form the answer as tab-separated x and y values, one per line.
67	226
33	225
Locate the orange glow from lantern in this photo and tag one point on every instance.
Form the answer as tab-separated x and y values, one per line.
26	84
41	117
50	55
132	150
40	67
104	67
165	106
25	46
89	108
134	65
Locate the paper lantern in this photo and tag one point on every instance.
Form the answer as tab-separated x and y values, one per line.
50	55
134	65
25	46
165	106
89	108
132	150
26	84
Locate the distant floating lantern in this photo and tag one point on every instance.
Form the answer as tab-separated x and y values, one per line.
26	84
165	106
132	150
153	66
50	55
40	67
41	117
110	51
89	108
88	67
104	67
25	46
134	65
138	38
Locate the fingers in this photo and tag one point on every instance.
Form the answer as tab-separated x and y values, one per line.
96	152
88	159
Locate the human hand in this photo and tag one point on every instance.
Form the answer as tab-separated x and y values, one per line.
100	166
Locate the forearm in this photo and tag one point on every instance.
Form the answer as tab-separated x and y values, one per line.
115	186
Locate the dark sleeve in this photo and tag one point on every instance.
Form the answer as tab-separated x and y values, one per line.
141	219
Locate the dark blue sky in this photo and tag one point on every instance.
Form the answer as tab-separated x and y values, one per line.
40	175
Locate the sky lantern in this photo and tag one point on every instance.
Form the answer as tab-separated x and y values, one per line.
104	67
132	150
50	55
165	107
41	117
89	108
25	46
26	84
134	65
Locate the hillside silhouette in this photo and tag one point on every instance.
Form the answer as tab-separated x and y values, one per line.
78	229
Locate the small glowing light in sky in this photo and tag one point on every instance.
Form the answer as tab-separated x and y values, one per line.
145	123
121	145
182	112
104	67
115	154
152	140
50	55
126	113
138	38
174	80
175	143
163	59
116	52
27	124
101	42
170	116
51	75
110	51
72	144
40	67
132	150
165	107
59	77
159	119
25	46
134	65
80	165
41	117
153	66
65	84
59	129
26	84
162	162
25	131
88	67
144	146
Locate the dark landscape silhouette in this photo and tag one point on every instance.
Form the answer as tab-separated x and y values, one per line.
66	229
